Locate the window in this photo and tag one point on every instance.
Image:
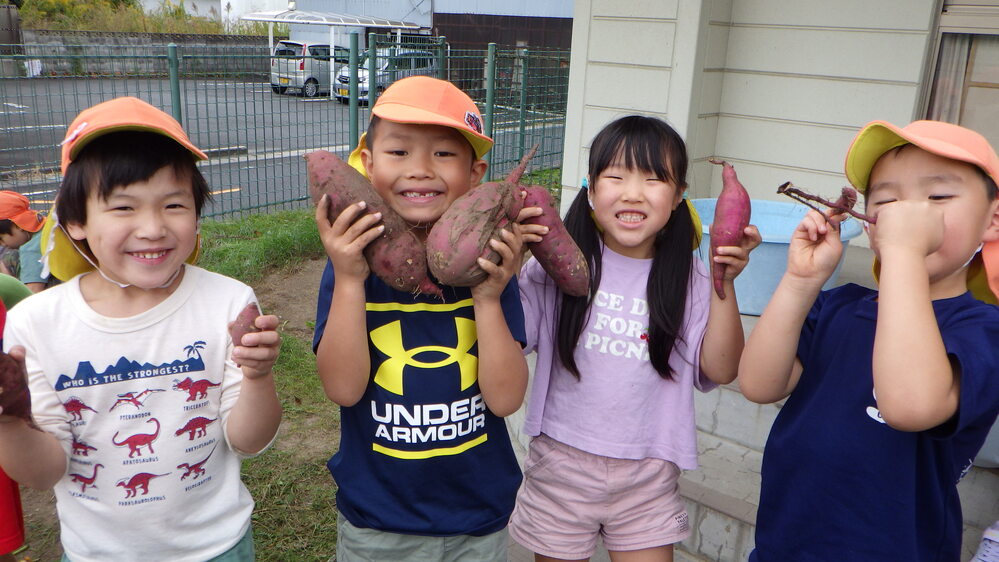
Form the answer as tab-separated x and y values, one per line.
965	86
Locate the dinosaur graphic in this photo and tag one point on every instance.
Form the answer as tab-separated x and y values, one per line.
140	480
81	448
134	399
195	427
135	442
85	481
195	388
197	469
75	407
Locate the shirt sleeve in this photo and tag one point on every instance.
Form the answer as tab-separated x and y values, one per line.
323	301
532	300
513	311
698	306
972	341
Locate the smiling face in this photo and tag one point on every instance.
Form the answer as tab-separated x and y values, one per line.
142	233
956	188
632	206
419	170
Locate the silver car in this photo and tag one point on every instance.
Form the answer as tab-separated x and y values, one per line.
393	64
304	67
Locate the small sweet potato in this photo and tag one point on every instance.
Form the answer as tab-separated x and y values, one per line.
15	398
244	323
397	256
732	212
557	252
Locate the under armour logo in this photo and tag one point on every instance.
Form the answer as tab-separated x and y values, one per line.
388	340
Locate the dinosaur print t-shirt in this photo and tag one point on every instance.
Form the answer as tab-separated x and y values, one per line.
140	405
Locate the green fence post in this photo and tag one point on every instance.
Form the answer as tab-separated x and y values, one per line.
352	108
522	140
442	58
372	69
173	62
490	97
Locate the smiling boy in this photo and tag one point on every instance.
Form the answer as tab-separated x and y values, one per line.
425	468
890	392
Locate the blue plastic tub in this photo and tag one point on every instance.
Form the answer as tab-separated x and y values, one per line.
776	221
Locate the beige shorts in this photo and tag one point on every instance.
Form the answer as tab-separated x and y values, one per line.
357	544
570	497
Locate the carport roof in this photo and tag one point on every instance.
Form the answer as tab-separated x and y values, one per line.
327	18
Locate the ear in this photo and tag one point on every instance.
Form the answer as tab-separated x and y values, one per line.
479	168
992	230
75	231
366	160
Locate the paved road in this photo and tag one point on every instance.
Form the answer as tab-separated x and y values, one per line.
255	138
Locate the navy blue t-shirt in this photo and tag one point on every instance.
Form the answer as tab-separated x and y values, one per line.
838	482
420	453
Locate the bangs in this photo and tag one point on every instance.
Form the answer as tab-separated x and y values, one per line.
641	143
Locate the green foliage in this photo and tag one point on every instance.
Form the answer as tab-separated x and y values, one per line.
248	248
128	16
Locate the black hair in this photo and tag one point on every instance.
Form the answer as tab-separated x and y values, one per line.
651	145
991	191
990	184
6	227
118	159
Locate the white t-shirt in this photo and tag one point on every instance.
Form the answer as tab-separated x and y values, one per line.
140	405
620	407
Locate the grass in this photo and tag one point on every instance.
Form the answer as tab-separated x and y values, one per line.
295	515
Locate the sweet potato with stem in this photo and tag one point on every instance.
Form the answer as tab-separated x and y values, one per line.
397	256
15	398
461	236
732	213
557	252
244	323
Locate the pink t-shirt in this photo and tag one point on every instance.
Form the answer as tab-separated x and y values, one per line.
620	407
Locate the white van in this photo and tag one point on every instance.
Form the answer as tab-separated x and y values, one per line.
393	64
304	67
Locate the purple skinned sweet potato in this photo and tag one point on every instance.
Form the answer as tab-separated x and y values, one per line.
557	252
244	323
398	256
732	213
15	398
461	236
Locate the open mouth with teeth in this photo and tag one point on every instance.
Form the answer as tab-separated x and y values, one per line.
419	195
149	255
630	216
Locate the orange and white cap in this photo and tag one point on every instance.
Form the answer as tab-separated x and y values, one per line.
428	101
943	139
14	207
121	114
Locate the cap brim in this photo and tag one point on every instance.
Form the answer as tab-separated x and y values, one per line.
871	143
400	113
85	139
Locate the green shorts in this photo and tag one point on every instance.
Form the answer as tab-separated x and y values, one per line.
356	544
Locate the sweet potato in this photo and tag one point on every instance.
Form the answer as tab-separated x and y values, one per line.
15	399
557	252
244	323
732	212
397	256
463	232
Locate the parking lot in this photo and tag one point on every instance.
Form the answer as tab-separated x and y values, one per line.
255	138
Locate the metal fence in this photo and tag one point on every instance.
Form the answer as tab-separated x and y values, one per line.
255	136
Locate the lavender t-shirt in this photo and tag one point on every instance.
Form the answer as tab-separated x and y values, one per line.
620	407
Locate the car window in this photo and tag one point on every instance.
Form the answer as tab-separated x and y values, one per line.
288	50
320	52
341	55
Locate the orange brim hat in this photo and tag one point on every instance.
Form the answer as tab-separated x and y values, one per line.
14	207
61	256
122	114
943	139
428	101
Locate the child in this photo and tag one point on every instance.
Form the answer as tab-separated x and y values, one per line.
18	226
611	404
425	468
891	391
144	411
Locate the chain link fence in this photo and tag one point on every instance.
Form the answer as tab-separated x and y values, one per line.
255	132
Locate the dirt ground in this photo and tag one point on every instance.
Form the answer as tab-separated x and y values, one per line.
279	293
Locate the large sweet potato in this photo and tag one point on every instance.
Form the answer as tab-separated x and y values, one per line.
15	399
397	256
557	252
461	236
